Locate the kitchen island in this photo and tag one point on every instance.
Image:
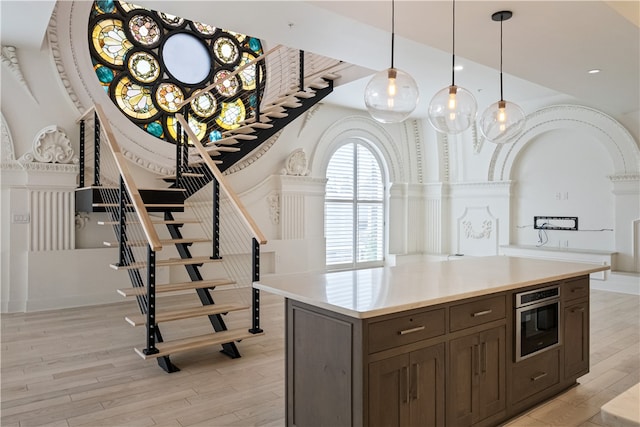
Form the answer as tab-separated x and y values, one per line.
432	343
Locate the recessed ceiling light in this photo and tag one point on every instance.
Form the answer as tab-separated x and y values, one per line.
458	68
594	71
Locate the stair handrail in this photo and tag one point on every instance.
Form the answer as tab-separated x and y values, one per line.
132	189
233	197
238	70
84	115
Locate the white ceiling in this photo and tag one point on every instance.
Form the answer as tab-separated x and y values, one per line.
548	45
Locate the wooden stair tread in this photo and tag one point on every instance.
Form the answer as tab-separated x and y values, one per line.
166	262
240	136
162	241
173	287
185	313
184	174
148	205
196	342
166	222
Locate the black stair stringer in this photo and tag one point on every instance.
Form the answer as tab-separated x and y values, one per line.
230	158
230	348
136	280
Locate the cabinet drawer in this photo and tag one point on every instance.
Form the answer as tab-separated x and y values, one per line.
535	374
405	329
575	288
477	312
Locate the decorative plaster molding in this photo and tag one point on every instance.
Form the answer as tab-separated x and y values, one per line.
417	137
617	140
477	138
443	143
273	200
624	177
308	116
10	59
8	154
81	220
484	233
51	145
296	164
54	48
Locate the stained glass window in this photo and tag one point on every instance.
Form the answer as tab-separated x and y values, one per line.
138	57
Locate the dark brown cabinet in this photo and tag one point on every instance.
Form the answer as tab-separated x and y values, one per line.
476	382
408	389
576	338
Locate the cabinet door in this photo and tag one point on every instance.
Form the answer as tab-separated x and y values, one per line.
463	369
491	379
427	388
389	391
576	339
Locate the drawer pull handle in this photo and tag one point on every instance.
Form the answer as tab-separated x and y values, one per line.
412	330
482	313
539	376
574	290
577	309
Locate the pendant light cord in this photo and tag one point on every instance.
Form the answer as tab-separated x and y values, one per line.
393	28
501	94
453	47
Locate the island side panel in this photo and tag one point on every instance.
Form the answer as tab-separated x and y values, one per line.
323	367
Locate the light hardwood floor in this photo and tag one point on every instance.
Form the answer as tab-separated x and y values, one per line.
76	367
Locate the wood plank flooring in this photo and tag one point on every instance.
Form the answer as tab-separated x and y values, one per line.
77	367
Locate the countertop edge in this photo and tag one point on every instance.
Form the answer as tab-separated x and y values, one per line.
425	303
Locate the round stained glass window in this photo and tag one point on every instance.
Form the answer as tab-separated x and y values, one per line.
226	50
231	115
144	29
204	105
229	86
186	58
169	97
143	67
110	41
134	100
149	62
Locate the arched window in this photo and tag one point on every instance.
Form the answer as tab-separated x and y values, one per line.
354	208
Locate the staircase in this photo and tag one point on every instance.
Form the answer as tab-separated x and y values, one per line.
218	252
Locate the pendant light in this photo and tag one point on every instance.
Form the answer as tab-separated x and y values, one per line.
503	121
453	109
391	95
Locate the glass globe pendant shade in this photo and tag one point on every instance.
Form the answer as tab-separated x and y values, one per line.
391	96
452	110
502	122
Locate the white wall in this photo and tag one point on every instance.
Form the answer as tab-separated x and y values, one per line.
447	194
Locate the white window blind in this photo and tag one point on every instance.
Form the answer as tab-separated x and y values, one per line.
354	208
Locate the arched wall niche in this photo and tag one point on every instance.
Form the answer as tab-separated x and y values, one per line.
619	143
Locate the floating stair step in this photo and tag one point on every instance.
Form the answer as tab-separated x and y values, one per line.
184	174
185	313
242	130
163	242
305	94
274	114
241	136
156	221
193	343
214	149
174	287
318	85
166	263
148	205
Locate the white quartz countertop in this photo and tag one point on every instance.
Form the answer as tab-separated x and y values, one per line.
377	291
